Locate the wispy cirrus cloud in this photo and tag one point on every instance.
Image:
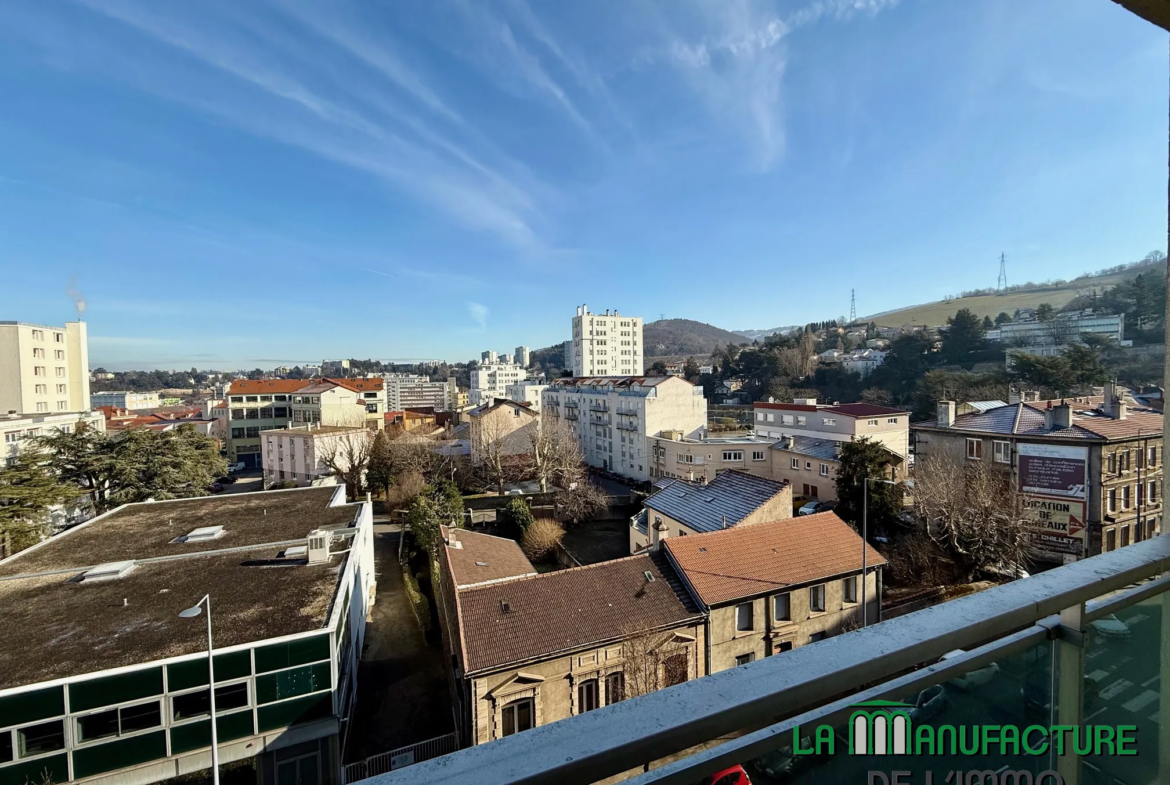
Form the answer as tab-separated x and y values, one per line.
479	314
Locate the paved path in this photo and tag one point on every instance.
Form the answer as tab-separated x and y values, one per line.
403	696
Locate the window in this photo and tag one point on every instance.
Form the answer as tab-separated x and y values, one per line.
253	432
1151	527
759	416
824	470
786	419
816	598
38	335
744	659
118	722
849	588
517	716
42	389
1125	497
1124	536
39	354
743	617
1111	540
61	389
198	703
975	449
1152	457
782	607
1111	501
1001	452
828	421
892	421
757	455
733	455
872	423
1151	491
39	370
615	688
782	646
12	437
1123	460
372	408
58	337
771	417
60	372
795	463
42	406
1140	494
62	405
237	433
587	696
674	670
59	354
1112	463
808	465
38	739
816	636
800	419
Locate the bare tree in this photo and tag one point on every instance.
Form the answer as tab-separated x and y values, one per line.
498	450
973	511
652	661
347	454
556	455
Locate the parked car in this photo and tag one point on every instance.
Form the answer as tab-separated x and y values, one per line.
799	500
1110	627
815	506
215	487
236	467
929	703
973	678
733	776
227	479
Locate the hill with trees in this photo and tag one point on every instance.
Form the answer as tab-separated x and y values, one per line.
685	337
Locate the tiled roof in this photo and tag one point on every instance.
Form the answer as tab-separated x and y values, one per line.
729	565
1027	419
483	409
254	386
359	385
481	558
725	501
569	610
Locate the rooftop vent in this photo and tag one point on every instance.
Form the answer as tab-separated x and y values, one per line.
505	606
203	533
649	576
481	564
318	547
108	571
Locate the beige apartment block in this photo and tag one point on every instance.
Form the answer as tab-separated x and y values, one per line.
305	454
501	428
606	344
44	370
842	422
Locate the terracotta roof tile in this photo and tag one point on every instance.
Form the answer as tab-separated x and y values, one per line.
482	558
360	384
746	561
569	609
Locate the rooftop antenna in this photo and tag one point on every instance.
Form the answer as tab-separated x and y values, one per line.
852	306
1001	284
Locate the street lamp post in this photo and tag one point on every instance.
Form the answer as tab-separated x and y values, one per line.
865	543
191	613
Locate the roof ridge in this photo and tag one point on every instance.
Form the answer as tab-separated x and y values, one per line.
537	576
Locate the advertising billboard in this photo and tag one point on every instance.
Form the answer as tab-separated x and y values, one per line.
1053	484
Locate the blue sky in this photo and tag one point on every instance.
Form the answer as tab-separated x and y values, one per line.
244	184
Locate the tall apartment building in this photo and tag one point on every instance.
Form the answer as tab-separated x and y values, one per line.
44	369
411	391
491	380
523	356
614	417
839	422
607	344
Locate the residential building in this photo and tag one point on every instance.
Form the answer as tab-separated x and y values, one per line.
303	453
217	409
863	361
126	400
123	697
777	585
19	429
491	380
44	369
614	417
166	419
522	356
255	406
310	371
528	650
335	367
489	357
1090	473
732	499
100	376
607	344
502	427
808	463
329	403
373	397
411	391
462	399
527	391
842	422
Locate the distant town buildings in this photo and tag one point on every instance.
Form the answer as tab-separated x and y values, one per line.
44	369
614	417
411	391
19	429
126	400
607	344
124	696
1050	337
527	391
335	368
522	356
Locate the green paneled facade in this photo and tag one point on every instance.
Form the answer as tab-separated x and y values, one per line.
131	719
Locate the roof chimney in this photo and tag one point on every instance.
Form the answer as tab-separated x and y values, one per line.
1062	416
1013	397
946	414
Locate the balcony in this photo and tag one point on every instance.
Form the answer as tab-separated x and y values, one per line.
571	414
627	425
1078	645
599	419
599	407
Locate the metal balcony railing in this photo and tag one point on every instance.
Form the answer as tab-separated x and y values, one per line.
627	425
599	407
1082	644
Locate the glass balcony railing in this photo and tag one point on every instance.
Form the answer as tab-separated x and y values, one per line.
1056	678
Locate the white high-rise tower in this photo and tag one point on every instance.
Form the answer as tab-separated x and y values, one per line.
607	344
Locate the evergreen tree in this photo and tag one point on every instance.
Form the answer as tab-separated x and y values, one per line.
862	459
380	470
1003	318
28	489
988	324
964	335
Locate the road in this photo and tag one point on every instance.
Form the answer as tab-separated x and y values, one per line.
247	481
1125	672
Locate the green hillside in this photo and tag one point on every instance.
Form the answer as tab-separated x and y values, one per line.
936	313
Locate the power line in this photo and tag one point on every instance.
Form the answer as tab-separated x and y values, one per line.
1001	284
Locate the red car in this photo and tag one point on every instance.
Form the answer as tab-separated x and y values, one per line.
733	776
